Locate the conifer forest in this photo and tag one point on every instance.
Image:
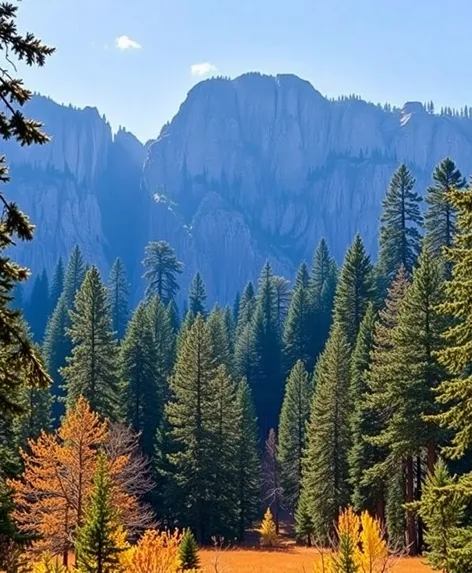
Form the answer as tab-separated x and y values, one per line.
332	408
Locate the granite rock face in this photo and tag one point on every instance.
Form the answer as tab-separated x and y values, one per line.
249	169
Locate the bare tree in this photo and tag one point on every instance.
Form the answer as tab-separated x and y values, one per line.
271	488
131	470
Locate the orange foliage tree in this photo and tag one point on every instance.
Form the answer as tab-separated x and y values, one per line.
51	496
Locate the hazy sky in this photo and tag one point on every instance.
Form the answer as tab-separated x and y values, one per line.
136	59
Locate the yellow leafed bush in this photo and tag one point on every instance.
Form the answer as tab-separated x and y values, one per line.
373	554
47	563
155	552
268	530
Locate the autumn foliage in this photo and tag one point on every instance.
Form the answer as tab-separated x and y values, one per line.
268	530
155	552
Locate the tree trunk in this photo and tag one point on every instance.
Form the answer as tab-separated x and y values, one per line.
380	509
410	518
432	456
419	489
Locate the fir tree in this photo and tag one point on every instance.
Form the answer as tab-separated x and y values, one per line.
97	544
440	217
164	344
119	296
267	377
162	271
304	527
74	277
293	420
322	291
191	414
236	307
455	393
197	296
325	470
354	291
37	310
91	370
57	285
401	217
142	398
362	455
188	552
282	301
247	308
245	354
298	326
220	338
247	461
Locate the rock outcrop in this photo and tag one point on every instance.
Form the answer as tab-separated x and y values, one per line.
252	168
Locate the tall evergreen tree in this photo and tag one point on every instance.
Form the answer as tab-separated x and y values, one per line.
247	307
197	296
74	277
401	217
97	540
245	354
247	461
325	470
267	377
221	338
293	420
191	414
37	309
440	218
236	307
298	326
322	291
57	285
354	291
164	343
92	368
142	397
455	393
362	455
162	269
282	298
119	298
56	348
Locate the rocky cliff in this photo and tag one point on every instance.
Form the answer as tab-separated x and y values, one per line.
252	168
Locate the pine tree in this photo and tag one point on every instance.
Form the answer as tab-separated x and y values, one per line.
197	296
282	301
322	291
37	309
247	461
354	291
221	338
188	552
75	274
304	527
91	370
191	414
236	307
401	217
298	326
245	354
455	393
362	455
325	470
247	308
119	296
162	271
141	395
440	217
293	419
57	285
267	377
97	547
56	347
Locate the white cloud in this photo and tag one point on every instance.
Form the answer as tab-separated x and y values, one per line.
203	69
125	43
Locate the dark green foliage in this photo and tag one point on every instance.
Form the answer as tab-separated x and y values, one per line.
325	469
399	236
247	461
37	309
440	218
236	307
298	333
394	512
188	552
162	271
245	354
304	527
293	420
322	291
267	377
354	291
221	338
247	307
282	301
141	395
37	414
364	422
119	296
57	285
75	274
92	369
97	547
164	343
197	296
55	349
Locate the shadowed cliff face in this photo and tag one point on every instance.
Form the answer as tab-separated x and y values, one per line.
253	168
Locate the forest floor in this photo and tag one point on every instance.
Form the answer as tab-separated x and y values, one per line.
284	560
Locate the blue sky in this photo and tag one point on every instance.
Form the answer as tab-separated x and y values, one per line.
132	59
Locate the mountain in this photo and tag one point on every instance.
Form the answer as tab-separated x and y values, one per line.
252	168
